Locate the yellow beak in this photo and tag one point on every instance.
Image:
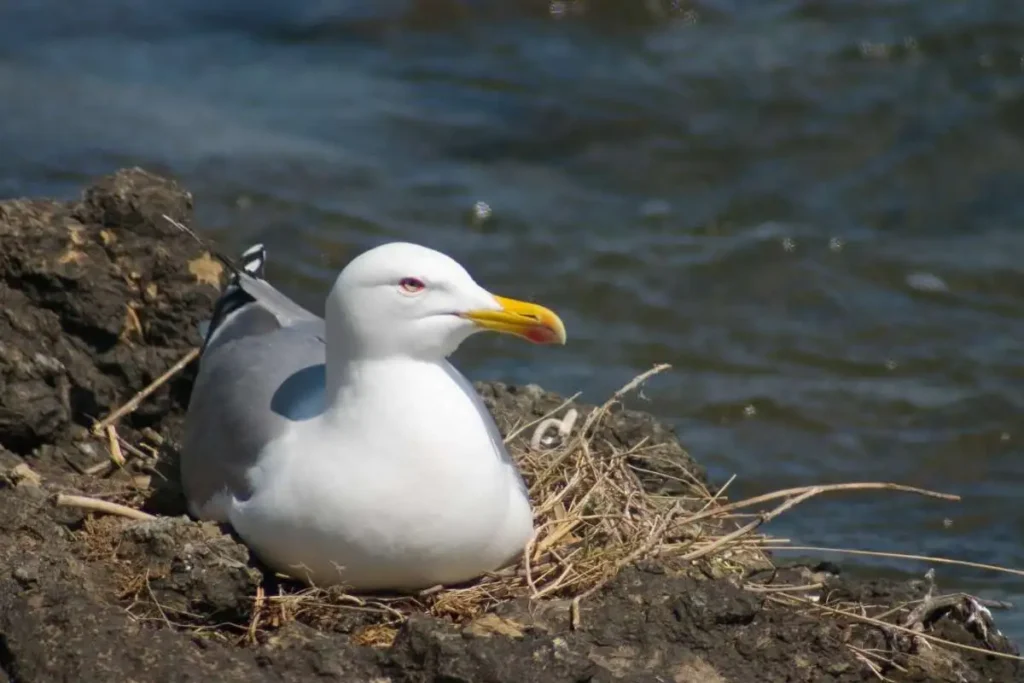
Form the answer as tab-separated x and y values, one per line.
529	321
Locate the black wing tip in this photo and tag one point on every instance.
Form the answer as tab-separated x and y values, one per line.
252	262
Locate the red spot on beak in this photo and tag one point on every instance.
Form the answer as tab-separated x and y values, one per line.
541	335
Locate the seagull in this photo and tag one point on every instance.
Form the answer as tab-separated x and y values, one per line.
347	450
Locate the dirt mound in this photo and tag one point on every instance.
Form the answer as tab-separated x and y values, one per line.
101	296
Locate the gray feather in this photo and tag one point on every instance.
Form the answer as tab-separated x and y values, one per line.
248	390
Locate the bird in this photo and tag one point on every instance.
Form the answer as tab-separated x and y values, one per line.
347	450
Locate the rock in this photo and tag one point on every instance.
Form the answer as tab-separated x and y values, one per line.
96	301
23	475
100	296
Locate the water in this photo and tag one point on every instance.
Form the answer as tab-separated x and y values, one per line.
812	209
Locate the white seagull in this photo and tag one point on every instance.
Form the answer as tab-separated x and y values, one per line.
347	449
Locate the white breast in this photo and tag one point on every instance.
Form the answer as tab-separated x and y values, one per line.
405	485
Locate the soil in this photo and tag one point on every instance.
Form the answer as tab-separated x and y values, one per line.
99	297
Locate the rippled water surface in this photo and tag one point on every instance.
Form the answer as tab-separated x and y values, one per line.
813	209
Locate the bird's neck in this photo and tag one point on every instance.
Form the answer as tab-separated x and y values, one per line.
352	352
352	380
416	400
358	372
348	358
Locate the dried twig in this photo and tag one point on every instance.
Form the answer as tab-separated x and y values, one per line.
105	506
138	398
617	396
100	469
257	610
115	448
759	588
820	488
897	556
747	528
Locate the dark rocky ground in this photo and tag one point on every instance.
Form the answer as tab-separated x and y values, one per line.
99	297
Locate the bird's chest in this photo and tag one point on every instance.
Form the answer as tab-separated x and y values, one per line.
409	456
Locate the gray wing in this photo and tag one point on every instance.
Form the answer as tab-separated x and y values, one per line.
249	390
261	370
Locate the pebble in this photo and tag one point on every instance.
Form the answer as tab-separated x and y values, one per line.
482	211
655	208
926	282
24	575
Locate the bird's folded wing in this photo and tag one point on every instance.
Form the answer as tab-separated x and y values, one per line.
236	408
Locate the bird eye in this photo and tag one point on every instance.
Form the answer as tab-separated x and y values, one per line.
411	285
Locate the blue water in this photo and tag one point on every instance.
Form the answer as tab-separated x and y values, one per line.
813	209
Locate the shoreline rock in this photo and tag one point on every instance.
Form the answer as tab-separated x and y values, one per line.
99	297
